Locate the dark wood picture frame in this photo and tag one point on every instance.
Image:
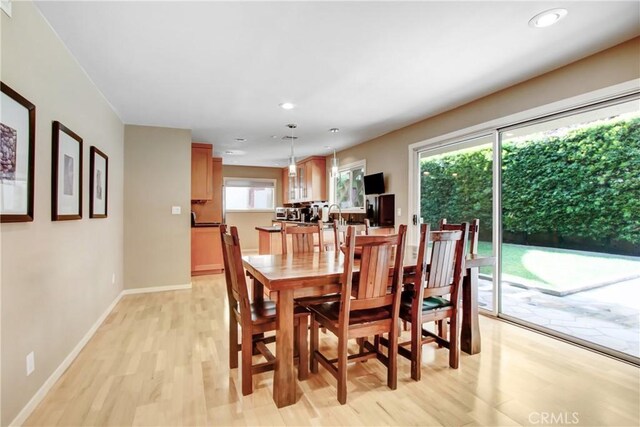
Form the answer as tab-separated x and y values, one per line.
56	168
27	216
93	193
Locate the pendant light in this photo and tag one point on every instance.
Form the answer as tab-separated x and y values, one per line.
292	160
334	162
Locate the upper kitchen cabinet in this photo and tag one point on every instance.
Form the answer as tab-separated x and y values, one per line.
201	172
309	184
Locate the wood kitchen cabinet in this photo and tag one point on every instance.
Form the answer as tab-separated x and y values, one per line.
206	251
201	172
309	184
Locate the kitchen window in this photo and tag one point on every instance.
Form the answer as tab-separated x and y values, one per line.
347	188
249	194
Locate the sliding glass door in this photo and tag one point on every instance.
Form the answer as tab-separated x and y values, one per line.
571	225
558	200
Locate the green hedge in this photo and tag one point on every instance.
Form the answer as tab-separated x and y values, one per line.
584	184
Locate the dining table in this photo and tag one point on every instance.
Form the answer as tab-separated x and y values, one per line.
291	276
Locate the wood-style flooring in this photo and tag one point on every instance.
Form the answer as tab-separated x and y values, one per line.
161	359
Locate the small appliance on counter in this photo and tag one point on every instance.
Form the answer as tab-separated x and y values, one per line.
293	214
325	213
305	214
281	213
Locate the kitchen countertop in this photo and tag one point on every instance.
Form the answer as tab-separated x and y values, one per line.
206	224
269	229
328	224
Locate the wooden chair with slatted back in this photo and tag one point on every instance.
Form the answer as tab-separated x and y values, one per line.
474	232
340	231
472	245
302	238
369	306
426	302
255	318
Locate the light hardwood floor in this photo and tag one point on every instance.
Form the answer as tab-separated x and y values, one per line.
161	359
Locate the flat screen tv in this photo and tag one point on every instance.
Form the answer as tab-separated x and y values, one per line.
374	183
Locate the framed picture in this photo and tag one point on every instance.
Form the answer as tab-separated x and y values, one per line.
98	183
17	156
66	180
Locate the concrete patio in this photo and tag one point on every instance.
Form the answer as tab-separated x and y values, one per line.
608	316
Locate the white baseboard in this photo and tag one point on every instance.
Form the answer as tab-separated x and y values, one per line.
156	289
55	376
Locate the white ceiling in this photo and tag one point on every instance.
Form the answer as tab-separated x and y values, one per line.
222	68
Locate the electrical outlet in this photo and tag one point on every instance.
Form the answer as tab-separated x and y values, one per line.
176	210
31	363
113	279
399	211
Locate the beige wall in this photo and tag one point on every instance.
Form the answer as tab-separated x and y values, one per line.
157	176
248	221
55	276
389	153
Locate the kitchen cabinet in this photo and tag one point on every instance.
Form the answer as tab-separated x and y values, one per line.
201	172
309	184
211	210
206	251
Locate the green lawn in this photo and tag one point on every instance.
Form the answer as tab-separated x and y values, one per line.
561	269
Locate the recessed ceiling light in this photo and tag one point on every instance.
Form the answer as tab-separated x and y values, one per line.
547	18
328	147
274	136
334	130
287	106
235	152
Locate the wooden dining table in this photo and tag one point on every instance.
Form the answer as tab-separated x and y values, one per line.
291	276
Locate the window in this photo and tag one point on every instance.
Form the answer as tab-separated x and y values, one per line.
249	194
347	189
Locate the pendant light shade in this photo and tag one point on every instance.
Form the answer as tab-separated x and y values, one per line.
292	166
334	161
334	165
292	160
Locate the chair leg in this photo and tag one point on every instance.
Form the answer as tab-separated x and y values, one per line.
233	341
313	345
342	370
454	341
392	368
442	330
247	353
303	349
416	351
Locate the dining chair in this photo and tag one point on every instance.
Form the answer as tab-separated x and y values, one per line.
369	306
426	302
340	231
255	318
474	232
472	245
302	238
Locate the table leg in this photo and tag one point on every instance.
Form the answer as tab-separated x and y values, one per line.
470	333
258	291
284	381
